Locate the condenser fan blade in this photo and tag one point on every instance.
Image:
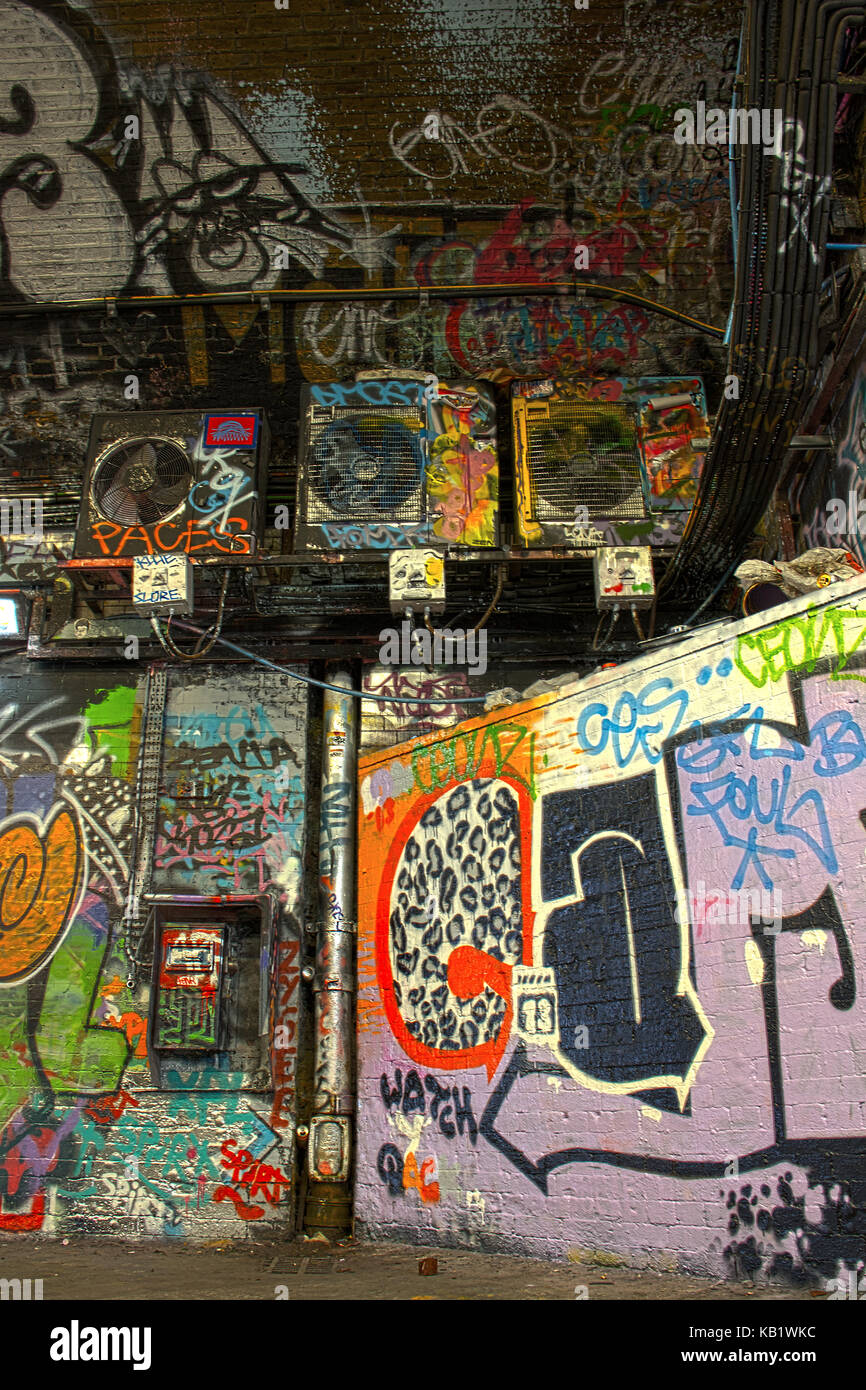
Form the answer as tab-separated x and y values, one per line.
138	469
165	496
172	473
368	465
120	505
585	454
142	481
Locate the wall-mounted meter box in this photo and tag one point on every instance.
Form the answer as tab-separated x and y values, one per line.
416	580
162	585
212	988
623	577
329	1148
189	1001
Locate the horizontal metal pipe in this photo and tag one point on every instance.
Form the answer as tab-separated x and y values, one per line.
568	288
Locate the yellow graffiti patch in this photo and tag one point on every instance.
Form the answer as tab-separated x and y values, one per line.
754	963
41	870
814	937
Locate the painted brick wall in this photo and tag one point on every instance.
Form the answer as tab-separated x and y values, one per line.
611	956
90	1139
171	149
830	502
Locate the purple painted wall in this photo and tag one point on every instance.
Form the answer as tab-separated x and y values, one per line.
611	961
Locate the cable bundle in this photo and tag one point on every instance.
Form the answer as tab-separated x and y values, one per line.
792	51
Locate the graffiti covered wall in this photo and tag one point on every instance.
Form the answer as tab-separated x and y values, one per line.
832	500
611	961
92	1137
152	149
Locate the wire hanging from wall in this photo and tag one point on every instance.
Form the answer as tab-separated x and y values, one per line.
323	685
211	635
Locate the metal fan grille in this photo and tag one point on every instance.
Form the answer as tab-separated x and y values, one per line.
365	466
585	453
140	482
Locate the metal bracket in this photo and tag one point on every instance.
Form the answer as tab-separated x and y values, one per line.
150	762
811	441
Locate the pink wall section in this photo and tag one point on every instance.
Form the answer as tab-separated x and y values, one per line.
638	1028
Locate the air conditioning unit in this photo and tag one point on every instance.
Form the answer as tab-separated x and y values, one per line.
181	481
592	459
390	463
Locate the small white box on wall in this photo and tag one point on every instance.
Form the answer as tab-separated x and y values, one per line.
623	577
416	580
162	585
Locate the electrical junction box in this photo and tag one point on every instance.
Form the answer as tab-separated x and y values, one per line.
329	1148
623	577
416	580
162	585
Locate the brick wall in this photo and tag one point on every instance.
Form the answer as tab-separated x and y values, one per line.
610	942
164	150
829	503
93	1137
168	149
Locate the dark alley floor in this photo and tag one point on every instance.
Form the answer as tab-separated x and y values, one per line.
308	1270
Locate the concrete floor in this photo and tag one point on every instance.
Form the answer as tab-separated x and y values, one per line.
308	1270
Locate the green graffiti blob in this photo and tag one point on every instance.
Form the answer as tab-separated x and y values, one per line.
66	1053
458	758
77	1055
109	726
18	1078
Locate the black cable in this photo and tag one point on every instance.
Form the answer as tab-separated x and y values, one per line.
778	284
211	635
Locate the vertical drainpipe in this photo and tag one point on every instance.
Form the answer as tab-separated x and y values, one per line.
331	1139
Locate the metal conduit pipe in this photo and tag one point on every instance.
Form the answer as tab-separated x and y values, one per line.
328	1208
782	232
751	302
748	300
419	293
770	308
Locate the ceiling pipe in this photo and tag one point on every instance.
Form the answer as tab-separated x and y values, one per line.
421	293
